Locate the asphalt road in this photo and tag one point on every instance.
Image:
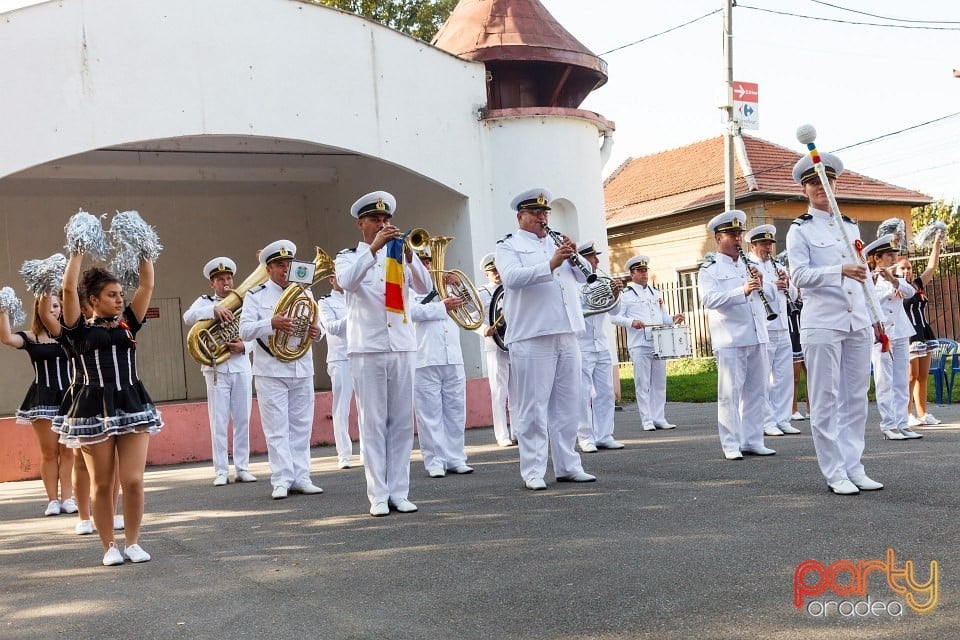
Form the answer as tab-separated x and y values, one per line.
671	542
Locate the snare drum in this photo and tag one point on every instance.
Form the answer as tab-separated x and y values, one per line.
671	342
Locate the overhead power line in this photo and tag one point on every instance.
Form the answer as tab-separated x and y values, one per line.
650	37
853	22
898	132
874	15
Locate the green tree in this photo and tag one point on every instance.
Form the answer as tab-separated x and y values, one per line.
949	213
418	18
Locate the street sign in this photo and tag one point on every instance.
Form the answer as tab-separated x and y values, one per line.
746	104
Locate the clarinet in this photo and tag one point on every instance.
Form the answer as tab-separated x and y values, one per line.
576	260
771	314
791	306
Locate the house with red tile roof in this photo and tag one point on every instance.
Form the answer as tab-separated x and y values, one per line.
658	205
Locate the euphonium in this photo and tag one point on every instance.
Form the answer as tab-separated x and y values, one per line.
295	304
449	283
207	340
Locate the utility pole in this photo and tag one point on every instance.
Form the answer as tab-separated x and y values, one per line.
731	126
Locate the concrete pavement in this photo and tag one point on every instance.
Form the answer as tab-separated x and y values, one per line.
671	542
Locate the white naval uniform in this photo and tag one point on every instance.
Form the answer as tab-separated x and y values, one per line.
498	371
544	315
440	386
285	393
649	373
779	349
891	370
738	331
598	400
229	394
836	334
333	319
381	347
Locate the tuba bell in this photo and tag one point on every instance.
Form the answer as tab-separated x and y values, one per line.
452	283
295	304
207	340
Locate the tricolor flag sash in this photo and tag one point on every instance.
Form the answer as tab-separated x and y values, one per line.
394	278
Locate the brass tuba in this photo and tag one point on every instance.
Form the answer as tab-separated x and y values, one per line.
207	339
295	304
469	315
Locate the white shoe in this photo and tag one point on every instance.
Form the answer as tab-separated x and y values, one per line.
220	480
461	469
913	421
84	528
733	455
402	505
379	509
892	434
788	429
118	523
929	419
757	451
772	431
134	553
865	484
279	492
244	476
580	476
343	464
664	425
610	444
798	416
69	506
588	447
53	508
505	443
436	473
907	432
649	427
112	557
536	484
843	487
306	488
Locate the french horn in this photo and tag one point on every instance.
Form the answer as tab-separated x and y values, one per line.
449	282
295	304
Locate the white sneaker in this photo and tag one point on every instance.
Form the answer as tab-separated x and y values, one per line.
403	505
134	553
907	432
118	523
928	419
437	472
83	528
913	421
772	431
788	429
53	508
892	434
279	492
587	447
798	416
112	557
244	476
378	509
69	506
536	484
220	480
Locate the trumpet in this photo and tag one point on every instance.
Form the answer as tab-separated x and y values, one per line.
771	314
453	282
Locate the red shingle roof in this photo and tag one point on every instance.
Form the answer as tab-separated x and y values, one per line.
691	177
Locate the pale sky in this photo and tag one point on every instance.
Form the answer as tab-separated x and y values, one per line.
853	83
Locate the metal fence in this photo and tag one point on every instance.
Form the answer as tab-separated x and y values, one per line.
943	294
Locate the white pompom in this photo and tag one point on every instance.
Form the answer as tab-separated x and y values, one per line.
806	133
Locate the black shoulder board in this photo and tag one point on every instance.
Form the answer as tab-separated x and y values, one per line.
804	218
509	235
846	219
210	298
256	289
347	250
326	296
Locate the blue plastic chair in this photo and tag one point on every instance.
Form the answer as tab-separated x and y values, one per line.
954	370
938	364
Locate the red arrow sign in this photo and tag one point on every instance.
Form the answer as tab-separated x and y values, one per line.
744	91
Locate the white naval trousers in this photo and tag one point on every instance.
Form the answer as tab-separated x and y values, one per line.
383	384
286	414
440	402
342	389
891	372
498	375
596	407
838	376
650	385
780	394
230	395
742	374
545	403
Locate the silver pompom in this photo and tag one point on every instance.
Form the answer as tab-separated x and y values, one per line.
928	234
134	240
891	225
44	277
85	235
10	303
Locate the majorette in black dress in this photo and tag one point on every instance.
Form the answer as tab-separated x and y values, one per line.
51	378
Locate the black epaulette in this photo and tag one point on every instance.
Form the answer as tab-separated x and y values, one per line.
804	218
846	219
506	237
348	250
256	289
325	296
208	297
